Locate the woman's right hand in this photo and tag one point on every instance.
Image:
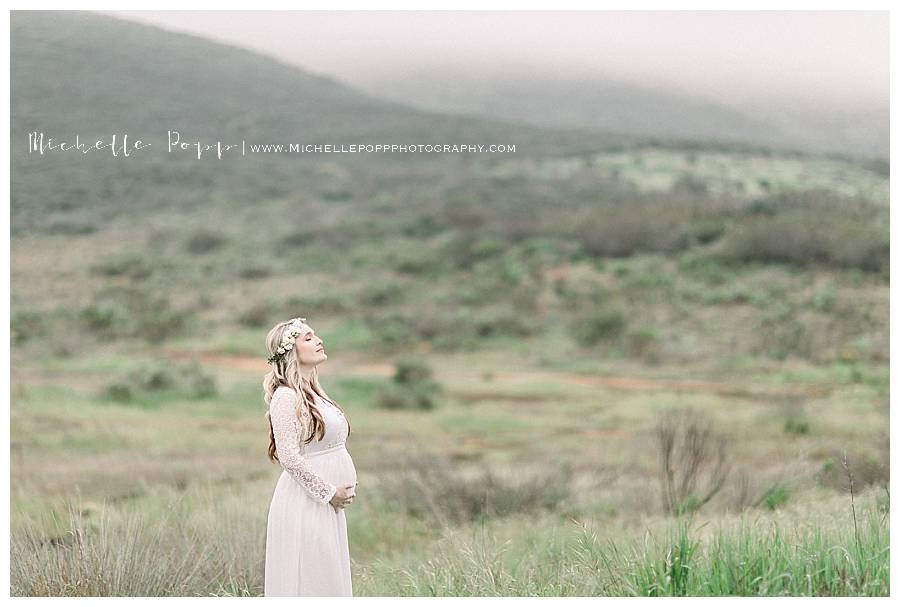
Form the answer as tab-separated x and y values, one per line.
343	496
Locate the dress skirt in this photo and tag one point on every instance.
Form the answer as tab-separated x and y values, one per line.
307	552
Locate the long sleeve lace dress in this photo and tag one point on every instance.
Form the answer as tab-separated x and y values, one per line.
307	552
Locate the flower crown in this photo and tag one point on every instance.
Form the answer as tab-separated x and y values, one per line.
287	340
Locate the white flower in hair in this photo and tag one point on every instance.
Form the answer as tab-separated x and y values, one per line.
288	338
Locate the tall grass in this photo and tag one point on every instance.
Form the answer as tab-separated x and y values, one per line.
757	559
754	558
214	546
208	547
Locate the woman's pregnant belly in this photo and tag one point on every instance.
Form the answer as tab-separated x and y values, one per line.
335	466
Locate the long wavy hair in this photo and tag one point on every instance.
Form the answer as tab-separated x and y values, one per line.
286	372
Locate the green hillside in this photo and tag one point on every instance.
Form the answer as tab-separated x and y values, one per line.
69	77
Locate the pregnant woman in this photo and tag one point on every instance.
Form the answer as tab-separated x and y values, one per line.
306	534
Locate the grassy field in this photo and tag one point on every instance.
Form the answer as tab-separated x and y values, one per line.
596	366
525	480
530	462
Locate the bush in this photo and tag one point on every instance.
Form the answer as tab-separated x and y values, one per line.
408	398
705	269
256	316
411	371
866	469
599	325
152	377
118	391
775	496
432	487
781	332
810	228
196	381
412	387
415	259
796	425
707	232
105	317
133	312
390	331
497	321
380	294
622	229
255	272
133	267
693	461
156	320
189	380
644	344
25	325
204	241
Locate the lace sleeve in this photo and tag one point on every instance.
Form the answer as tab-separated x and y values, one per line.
287	430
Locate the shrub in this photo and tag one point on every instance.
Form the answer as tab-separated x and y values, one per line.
824	300
498	321
152	377
422	226
118	391
132	267
780	332
867	470
432	487
645	344
623	228
156	320
411	371
405	397
775	496
412	387
796	425
257	315
105	317
133	312
707	232
196	381
598	325
255	272
187	380
204	241
414	259
705	269
380	294
25	325
390	331
693	461
810	228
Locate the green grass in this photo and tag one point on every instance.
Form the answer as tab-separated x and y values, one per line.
205	458
208	541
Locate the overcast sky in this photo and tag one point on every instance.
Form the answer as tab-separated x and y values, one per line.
840	57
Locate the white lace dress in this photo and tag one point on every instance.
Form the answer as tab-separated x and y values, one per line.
307	553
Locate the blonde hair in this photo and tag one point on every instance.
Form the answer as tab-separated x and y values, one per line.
286	372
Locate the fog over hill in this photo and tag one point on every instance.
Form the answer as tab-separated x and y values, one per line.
812	80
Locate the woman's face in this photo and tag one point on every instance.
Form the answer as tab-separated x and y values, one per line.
310	349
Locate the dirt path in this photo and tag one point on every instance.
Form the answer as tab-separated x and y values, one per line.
623	383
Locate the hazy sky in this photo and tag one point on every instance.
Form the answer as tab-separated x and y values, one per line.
829	56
